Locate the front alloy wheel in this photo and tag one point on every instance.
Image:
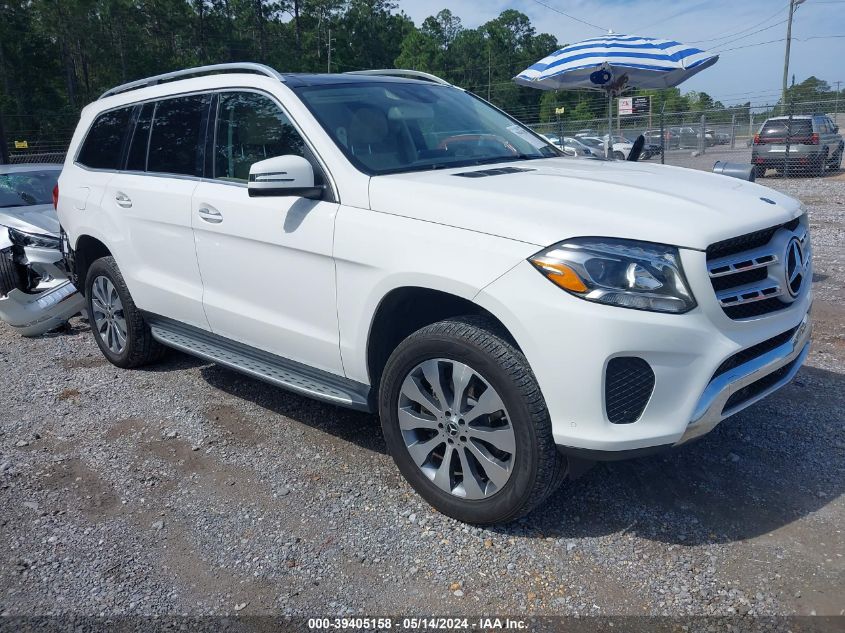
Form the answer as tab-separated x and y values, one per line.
456	428
466	424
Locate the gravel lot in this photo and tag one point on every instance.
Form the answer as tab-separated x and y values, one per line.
189	489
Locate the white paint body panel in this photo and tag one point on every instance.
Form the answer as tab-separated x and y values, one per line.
268	272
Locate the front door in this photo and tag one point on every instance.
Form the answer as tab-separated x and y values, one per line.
266	262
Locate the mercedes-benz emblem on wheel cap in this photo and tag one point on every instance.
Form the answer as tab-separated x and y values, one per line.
794	265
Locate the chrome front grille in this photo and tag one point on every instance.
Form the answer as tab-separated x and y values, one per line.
761	272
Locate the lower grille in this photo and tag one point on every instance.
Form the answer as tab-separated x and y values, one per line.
756	388
629	382
750	353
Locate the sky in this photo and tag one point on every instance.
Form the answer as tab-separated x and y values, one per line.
750	73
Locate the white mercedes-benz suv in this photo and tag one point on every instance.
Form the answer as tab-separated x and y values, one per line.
392	243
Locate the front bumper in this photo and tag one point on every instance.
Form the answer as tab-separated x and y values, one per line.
34	314
762	375
569	343
52	300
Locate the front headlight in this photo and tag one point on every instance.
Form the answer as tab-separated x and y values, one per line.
624	273
33	239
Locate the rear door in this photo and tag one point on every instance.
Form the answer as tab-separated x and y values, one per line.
153	199
266	262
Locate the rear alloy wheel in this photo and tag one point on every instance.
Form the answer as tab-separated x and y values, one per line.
618	155
107	314
466	424
118	326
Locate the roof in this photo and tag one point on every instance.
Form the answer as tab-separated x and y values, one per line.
21	167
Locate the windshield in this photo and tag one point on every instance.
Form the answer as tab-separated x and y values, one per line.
27	188
397	127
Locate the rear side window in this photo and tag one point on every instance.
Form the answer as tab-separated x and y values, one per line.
177	135
103	145
777	129
137	157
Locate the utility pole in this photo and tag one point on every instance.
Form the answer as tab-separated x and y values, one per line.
836	104
329	65
489	69
793	5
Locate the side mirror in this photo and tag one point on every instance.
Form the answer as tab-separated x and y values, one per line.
288	175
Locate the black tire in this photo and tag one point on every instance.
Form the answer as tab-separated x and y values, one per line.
538	468
618	155
820	166
10	277
141	348
836	162
759	171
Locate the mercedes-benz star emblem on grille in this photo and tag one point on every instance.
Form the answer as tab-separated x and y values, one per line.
794	266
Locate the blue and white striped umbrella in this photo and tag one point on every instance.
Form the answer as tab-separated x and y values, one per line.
615	62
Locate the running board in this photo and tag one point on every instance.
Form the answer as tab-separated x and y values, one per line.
265	366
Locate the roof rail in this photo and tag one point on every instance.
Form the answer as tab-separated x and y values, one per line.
400	72
250	67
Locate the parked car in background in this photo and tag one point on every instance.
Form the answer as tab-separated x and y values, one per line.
671	139
585	132
397	245
815	144
35	293
574	147
620	148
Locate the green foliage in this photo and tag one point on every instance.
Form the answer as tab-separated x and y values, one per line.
58	55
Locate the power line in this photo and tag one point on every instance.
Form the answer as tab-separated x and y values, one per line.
782	39
571	17
754	26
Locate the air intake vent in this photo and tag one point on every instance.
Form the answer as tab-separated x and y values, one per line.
628	384
498	171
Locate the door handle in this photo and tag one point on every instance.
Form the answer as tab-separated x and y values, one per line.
210	214
123	200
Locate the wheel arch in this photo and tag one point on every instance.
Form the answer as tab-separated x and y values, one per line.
88	249
405	310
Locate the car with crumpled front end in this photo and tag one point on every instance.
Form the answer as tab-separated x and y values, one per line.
35	293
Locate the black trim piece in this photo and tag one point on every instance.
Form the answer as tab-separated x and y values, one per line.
496	171
613	456
312	193
276	370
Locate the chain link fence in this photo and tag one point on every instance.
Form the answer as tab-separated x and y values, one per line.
695	139
795	144
36	139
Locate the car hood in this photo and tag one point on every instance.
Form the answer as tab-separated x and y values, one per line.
558	198
38	218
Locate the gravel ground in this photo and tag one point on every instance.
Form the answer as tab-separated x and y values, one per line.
189	489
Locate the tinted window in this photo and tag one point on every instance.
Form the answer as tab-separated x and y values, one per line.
250	128
177	135
777	128
104	143
137	157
